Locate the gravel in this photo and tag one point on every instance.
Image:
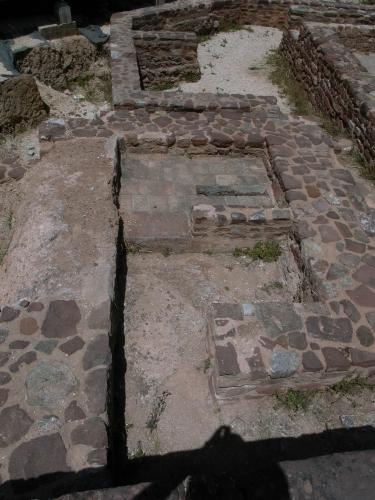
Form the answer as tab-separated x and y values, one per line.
69	104
235	62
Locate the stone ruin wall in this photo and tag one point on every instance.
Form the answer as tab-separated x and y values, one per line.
165	56
156	53
362	40
150	56
203	19
92	361
332	80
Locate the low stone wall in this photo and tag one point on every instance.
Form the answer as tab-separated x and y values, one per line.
205	16
333	12
335	81
185	101
225	228
249	345
209	16
360	39
165	56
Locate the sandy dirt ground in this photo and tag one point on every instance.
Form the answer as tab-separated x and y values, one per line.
235	63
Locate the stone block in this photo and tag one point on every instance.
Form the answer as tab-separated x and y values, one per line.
54	31
245	358
94	34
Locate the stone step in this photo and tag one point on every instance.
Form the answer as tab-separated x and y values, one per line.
157	230
225	228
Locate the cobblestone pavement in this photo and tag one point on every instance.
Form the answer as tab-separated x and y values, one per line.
56	352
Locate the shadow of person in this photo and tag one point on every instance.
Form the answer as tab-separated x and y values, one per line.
220	470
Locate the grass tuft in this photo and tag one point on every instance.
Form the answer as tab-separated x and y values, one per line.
294	400
273	285
204	38
132	248
9	220
159	406
206	365
268	251
166	85
139	453
3	253
166	251
93	89
350	385
367	170
191	76
281	75
227	24
330	126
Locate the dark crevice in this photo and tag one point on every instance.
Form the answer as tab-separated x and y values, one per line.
116	396
117	452
307	291
116	183
140	74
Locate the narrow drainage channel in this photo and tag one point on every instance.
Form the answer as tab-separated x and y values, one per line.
117	453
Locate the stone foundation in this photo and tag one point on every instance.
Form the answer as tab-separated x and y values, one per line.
205	18
258	348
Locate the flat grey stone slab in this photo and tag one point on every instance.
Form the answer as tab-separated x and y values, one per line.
235	190
94	34
26	42
367	61
7	67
